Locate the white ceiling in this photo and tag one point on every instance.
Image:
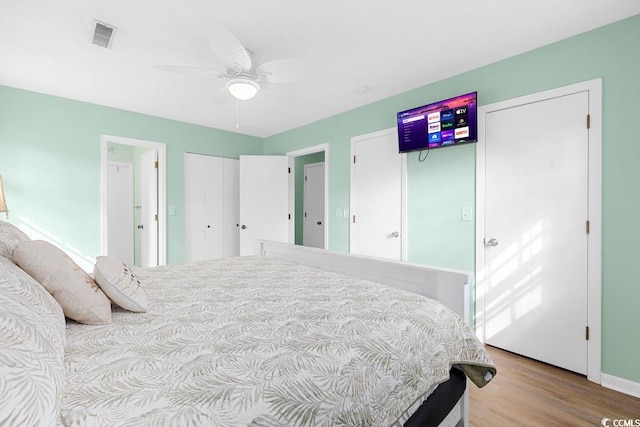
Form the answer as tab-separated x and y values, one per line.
360	51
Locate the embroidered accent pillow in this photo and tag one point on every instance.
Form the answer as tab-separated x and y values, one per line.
77	293
120	284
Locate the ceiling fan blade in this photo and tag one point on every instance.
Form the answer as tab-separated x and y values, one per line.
228	49
282	71
192	71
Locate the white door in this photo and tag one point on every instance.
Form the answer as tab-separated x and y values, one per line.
231	215
203	207
313	225
535	268
194	206
376	195
149	197
264	201
120	212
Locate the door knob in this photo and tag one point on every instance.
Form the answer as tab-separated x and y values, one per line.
319	223
140	227
243	226
208	226
394	234
492	242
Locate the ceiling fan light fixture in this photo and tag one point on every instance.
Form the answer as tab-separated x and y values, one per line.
243	89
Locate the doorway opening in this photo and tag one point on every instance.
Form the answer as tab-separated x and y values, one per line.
145	245
300	160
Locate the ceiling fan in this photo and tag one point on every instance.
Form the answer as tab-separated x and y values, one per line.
243	78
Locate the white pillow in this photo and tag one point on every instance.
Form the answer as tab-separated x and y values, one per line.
77	293
117	280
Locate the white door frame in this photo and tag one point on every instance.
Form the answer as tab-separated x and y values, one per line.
162	189
594	212
403	191
149	208
292	188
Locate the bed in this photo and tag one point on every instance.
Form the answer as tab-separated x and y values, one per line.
268	340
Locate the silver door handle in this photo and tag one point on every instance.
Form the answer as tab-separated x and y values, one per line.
491	242
394	234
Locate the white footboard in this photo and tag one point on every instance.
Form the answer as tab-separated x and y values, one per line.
448	286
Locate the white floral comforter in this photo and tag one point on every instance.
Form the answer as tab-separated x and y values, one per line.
262	342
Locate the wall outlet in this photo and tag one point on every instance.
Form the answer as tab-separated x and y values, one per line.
338	213
172	210
467	214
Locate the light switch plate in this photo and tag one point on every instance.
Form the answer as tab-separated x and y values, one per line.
172	210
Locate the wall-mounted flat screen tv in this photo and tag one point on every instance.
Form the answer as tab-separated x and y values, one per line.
445	123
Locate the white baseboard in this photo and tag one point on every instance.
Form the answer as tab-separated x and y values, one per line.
620	384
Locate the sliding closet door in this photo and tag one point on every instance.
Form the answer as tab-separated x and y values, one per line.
231	208
211	207
203	207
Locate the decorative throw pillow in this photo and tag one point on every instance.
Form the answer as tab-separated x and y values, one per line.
120	284
77	293
10	235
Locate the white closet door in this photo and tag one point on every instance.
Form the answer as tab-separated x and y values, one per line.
203	207
194	167
377	196
213	202
231	215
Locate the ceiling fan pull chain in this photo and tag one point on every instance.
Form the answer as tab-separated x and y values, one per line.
237	114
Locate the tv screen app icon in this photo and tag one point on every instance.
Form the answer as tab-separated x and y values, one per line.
434	127
461	133
461	122
462	111
446	115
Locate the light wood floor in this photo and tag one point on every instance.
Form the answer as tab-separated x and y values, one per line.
530	393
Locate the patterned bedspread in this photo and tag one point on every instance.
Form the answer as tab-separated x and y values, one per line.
262	342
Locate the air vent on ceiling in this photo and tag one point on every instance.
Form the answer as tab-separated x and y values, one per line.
103	34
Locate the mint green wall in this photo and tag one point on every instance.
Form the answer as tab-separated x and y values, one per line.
50	162
300	161
436	234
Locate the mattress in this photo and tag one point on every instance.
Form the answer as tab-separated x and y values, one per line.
264	342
